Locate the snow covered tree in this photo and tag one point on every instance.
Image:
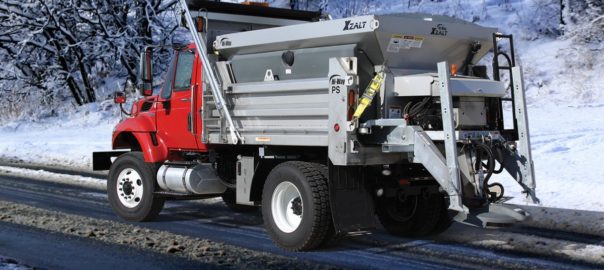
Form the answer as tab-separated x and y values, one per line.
77	44
584	20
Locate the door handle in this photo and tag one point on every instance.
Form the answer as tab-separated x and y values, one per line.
185	99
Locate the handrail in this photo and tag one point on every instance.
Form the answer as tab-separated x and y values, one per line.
207	68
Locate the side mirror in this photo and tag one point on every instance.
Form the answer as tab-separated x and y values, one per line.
146	72
119	98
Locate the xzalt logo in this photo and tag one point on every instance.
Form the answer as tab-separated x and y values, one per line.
336	81
439	30
354	25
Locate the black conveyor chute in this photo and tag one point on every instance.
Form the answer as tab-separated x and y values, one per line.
252	10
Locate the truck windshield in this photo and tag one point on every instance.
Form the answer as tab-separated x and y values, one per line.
184	70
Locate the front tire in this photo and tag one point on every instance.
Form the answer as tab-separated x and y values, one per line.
130	188
295	205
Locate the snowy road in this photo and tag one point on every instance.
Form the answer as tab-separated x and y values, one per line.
482	249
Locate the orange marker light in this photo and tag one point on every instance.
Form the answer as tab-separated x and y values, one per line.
252	3
453	69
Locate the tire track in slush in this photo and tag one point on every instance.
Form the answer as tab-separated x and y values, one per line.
213	221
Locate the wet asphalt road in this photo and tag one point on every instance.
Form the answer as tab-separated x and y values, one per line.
212	220
49	250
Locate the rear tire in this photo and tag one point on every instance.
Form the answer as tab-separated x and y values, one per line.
130	188
415	217
295	205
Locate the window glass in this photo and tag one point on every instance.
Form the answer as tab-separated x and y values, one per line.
166	91
184	70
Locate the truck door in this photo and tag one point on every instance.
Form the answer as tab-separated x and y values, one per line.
174	108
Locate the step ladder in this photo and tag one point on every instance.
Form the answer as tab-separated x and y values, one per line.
510	62
522	168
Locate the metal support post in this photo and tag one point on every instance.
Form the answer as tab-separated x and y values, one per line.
450	140
526	175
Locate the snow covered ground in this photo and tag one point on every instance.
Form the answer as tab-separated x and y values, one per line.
566	108
64	141
567	144
41	175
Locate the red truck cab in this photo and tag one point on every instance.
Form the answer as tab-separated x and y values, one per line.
167	124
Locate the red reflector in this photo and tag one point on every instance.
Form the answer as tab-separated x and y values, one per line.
352	102
336	127
352	98
403	182
350	113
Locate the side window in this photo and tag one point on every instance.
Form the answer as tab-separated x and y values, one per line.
184	70
166	91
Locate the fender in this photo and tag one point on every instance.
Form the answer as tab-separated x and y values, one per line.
139	133
143	122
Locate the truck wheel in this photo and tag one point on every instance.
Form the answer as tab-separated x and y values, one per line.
229	199
445	221
295	205
331	238
415	216
130	188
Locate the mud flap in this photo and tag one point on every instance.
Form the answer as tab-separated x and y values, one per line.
352	205
101	161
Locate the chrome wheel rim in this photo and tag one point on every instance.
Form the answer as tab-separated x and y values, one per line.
287	207
129	188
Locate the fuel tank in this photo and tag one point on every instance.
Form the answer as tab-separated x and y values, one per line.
190	179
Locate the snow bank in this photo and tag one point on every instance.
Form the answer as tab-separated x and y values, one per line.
67	140
87	182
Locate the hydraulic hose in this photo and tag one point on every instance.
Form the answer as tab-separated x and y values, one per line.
490	165
499	152
481	149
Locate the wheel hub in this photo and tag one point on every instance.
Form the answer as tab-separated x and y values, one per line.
297	206
287	207
129	188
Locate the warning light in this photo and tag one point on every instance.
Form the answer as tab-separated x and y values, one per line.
336	127
252	3
453	69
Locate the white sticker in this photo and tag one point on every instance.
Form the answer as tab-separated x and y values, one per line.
393	46
398	42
